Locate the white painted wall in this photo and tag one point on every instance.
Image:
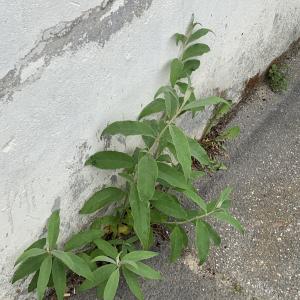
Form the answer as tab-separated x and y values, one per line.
68	71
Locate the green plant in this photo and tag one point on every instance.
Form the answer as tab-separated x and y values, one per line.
277	79
49	264
155	175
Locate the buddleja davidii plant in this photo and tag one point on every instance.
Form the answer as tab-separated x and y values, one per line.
49	264
154	173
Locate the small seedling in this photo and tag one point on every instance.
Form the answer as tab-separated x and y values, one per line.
277	79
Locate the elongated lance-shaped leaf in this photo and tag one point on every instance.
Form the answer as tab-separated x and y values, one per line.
140	211
171	103
226	217
144	271
110	160
171	176
147	173
127	128
213	235
107	248
33	283
101	275
165	89
59	278
44	276
176	70
192	194
169	205
178	239
112	285
139	255
195	50
133	284
199	152
82	238
182	148
74	263
199	104
53	229
202	241
155	106
102	198
29	266
198	34
30	253
37	244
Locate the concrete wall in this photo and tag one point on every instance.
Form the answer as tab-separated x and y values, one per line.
67	68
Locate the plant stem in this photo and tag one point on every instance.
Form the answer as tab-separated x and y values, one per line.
192	219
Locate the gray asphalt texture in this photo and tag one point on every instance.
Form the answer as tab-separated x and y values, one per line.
264	171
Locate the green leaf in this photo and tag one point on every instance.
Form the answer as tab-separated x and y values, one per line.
59	278
102	198
171	103
176	70
88	259
195	50
112	285
198	34
178	241
155	106
29	253
165	90
202	241
164	158
190	66
140	211
139	255
33	283
196	174
182	148
229	134
29	266
191	194
100	275
171	176
157	217
182	86
199	104
198	152
147	173
169	205
226	217
107	248
110	160
74	263
82	238
127	128
224	196
37	244
104	258
144	271
180	38
44	276
213	235
53	229
133	284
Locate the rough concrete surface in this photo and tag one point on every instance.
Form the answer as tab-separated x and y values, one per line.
264	171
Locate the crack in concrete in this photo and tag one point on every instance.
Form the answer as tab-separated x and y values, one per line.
95	25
